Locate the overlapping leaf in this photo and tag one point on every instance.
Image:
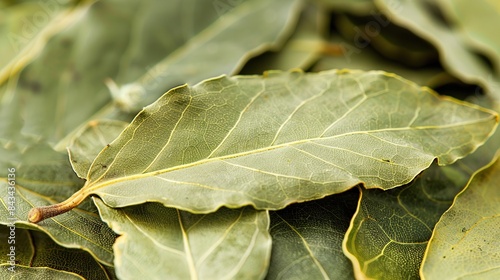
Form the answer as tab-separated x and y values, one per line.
43	177
361	7
262	141
87	144
139	41
481	33
157	242
307	239
37	256
465	241
456	57
301	50
377	31
367	59
224	141
24	272
391	229
26	27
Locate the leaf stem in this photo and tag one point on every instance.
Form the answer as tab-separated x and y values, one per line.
38	214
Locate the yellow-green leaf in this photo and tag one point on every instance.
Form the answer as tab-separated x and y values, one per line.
390	230
26	27
361	7
307	239
36	256
157	242
465	243
367	59
145	47
24	272
282	138
482	34
301	50
455	55
88	142
42	176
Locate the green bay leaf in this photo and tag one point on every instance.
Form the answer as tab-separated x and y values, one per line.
90	140
157	241
44	177
301	50
464	243
456	56
26	27
272	140
25	272
145	47
391	229
481	34
37	256
307	239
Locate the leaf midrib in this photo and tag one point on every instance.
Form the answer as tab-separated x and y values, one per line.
91	186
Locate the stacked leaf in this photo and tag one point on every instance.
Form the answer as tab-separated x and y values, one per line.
310	173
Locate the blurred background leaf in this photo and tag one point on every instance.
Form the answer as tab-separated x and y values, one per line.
425	19
89	141
130	41
301	50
